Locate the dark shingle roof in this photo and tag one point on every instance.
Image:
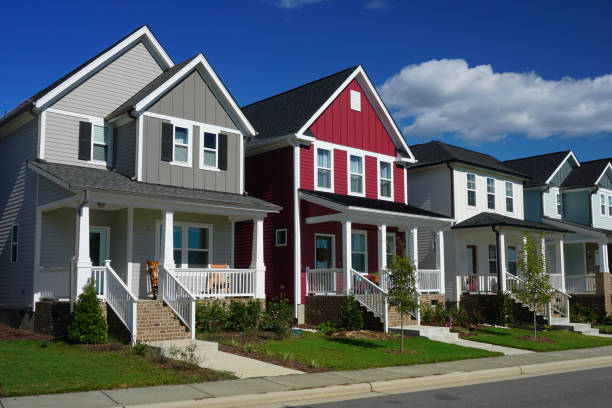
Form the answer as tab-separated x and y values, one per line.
539	168
487	219
586	175
577	225
87	178
437	152
287	112
382	205
150	87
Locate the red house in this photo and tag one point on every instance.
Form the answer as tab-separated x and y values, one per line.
329	153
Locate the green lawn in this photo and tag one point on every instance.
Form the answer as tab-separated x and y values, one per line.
604	328
338	353
561	339
26	368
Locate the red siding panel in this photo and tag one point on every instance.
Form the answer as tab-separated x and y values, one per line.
371	177
360	129
398	184
307	167
340	172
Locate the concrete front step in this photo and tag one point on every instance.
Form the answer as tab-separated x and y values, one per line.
431	332
584	328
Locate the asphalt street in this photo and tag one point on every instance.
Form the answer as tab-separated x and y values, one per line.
589	388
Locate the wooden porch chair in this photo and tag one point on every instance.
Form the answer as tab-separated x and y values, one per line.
215	283
153	271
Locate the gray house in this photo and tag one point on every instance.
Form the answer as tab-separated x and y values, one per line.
102	164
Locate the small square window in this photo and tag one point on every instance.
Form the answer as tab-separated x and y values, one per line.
281	237
356	101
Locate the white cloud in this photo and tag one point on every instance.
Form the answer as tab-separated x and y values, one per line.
293	4
377	5
476	104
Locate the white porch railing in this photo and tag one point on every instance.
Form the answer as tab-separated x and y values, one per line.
121	300
478	283
324	281
210	283
556	281
559	302
429	280
580	284
371	296
180	300
98	274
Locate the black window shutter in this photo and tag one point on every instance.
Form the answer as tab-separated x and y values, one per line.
222	151
84	141
166	141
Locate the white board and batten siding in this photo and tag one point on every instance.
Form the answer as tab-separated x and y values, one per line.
549	203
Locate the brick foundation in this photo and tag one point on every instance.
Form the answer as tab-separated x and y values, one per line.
52	318
603	288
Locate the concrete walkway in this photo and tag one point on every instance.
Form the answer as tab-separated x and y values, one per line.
507	351
266	390
211	357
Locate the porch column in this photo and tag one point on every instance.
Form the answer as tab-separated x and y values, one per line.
129	247
347	253
83	260
414	241
168	252
544	258
560	260
440	259
501	251
257	259
382	248
603	257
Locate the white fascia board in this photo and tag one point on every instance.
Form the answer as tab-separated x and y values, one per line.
143	33
199	62
608	167
570	154
574	228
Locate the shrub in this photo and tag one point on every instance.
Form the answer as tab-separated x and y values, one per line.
326	328
279	316
88	324
505	309
582	314
244	315
141	349
186	354
461	318
433	316
210	317
350	315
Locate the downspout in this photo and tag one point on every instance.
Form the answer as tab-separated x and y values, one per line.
499	265
452	184
73	260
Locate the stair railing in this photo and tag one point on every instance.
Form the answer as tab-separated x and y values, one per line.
372	296
180	300
121	300
559	301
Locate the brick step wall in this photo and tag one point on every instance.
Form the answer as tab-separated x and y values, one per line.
156	321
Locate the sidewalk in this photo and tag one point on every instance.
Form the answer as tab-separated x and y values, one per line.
294	387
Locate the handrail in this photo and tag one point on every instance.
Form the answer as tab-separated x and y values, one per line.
178	297
559	301
370	295
325	281
580	283
212	282
121	300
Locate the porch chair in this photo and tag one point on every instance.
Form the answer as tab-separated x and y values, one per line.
153	271
215	283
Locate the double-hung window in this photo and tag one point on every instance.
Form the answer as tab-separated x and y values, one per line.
324	169
559	207
356	174
210	150
471	189
492	259
358	248
512	260
192	244
602	201
385	180
100	143
490	193
14	242
181	145
509	197
391	248
610	205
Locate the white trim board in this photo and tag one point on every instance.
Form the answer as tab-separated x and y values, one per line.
570	154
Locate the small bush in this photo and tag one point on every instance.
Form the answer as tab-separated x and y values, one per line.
88	325
505	309
141	349
210	317
326	328
582	314
279	316
433	315
186	354
244	315
350	315
461	318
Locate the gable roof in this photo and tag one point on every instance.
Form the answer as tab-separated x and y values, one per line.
587	175
487	219
294	111
540	168
437	152
43	96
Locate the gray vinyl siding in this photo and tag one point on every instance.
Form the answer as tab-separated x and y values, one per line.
561	175
49	192
601	221
605	182
430	189
427	255
193	99
112	85
125	149
532	200
159	172
17	204
576	207
575	259
58	228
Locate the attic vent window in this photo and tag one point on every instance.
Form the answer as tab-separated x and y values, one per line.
356	101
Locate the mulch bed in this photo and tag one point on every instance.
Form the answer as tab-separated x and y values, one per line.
539	339
9	333
296	365
367	334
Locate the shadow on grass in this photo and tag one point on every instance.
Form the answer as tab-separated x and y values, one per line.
355	342
493	332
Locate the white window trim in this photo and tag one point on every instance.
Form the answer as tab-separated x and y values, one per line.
185	247
379	179
602	204
209	129
394	236
506	183
365	234
491	193
276	237
354	151
333	248
316	169
559	204
189	127
467	189
348	167
355	100
609	205
16	244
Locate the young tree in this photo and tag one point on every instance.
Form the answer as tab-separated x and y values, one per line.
403	294
535	290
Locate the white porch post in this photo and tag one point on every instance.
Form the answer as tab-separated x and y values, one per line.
414	241
544	258
560	260
603	257
129	248
440	259
382	248
168	251
347	253
83	260
502	261
257	259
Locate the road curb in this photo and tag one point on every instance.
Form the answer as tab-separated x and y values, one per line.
590	362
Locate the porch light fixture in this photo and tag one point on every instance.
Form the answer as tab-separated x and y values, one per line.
100	205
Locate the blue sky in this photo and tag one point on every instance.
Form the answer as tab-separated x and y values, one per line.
507	78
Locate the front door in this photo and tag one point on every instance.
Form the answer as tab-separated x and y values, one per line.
98	245
323	252
471	260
